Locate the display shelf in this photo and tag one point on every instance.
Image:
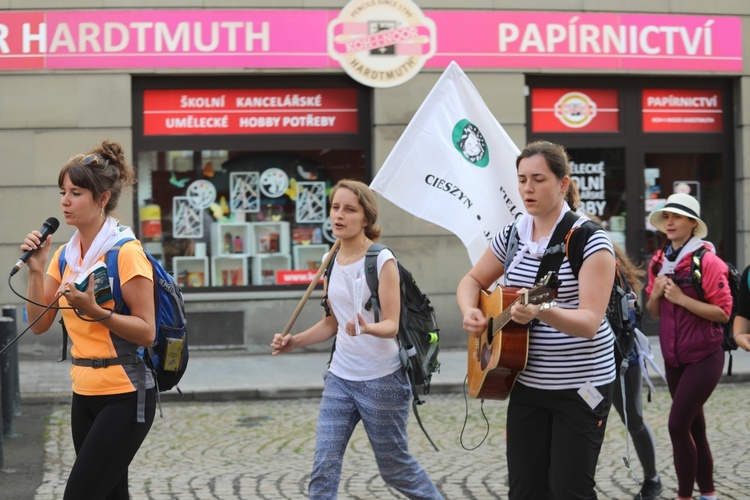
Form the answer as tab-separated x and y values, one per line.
269	238
230	238
265	267
308	257
190	271
229	270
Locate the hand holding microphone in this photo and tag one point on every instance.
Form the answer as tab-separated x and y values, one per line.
48	228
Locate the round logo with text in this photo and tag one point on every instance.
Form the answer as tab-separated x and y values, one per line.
381	44
575	109
469	141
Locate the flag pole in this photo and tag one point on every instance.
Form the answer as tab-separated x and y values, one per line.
310	288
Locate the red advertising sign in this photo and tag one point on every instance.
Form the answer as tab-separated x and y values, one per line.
682	110
296	277
575	110
249	111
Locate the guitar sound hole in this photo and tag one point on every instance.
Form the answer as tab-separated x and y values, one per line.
490	335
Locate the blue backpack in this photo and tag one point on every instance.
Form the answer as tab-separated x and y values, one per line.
168	356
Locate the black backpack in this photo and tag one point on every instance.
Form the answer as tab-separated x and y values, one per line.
733	279
418	332
569	241
620	298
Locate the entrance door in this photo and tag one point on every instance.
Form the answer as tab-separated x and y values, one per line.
697	174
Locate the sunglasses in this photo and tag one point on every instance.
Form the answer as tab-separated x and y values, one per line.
92	159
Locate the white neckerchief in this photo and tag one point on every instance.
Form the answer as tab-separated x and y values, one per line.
110	233
525	230
693	244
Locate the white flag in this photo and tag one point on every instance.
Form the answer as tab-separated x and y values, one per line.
454	165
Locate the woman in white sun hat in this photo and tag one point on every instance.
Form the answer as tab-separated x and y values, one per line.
689	333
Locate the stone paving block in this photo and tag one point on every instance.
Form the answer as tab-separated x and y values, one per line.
264	449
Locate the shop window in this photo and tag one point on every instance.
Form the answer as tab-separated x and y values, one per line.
600	175
222	218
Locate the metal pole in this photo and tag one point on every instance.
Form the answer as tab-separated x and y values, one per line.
10	312
7	332
2	458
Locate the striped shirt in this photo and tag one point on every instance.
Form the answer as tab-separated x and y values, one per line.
556	360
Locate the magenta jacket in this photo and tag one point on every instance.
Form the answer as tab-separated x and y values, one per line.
684	337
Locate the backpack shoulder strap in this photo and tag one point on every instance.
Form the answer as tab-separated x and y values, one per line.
512	250
556	249
114	272
61	263
326	278
575	243
371	275
696	272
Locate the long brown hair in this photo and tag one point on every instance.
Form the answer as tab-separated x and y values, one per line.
632	272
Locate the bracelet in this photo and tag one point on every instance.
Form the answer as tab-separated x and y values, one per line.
83	316
547	305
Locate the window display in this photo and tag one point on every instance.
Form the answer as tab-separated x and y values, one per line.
235	219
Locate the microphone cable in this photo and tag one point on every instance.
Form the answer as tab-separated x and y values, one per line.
46	308
82	317
466	419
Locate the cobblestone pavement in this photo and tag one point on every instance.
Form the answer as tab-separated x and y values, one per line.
263	450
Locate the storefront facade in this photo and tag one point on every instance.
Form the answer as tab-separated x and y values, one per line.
239	120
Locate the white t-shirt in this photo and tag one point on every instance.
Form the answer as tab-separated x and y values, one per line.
362	357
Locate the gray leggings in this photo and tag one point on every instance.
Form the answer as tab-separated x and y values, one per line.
643	438
383	406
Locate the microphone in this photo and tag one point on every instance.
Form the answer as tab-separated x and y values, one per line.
49	227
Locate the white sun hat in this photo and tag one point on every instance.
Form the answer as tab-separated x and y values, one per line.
683	204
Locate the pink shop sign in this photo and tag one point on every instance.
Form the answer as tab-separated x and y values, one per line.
295	38
115	39
571	40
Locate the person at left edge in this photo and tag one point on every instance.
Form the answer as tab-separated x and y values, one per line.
106	434
741	325
365	380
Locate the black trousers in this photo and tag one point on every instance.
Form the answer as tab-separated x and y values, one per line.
554	440
106	437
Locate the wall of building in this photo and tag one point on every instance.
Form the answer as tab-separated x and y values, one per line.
45	117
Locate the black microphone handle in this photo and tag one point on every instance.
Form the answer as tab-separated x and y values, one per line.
49	227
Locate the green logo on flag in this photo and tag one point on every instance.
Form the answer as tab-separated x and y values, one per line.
470	142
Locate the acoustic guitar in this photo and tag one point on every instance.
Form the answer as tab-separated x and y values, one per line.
499	355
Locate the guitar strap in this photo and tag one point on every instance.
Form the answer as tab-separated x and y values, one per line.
555	252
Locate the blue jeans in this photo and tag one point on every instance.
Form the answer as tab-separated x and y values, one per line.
383	406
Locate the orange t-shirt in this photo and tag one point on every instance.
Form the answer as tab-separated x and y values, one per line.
91	340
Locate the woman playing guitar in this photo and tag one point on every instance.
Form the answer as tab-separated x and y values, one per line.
558	408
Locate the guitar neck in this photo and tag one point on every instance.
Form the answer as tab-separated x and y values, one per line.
504	317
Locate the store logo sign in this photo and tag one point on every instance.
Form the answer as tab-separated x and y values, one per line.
381	44
575	109
469	141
